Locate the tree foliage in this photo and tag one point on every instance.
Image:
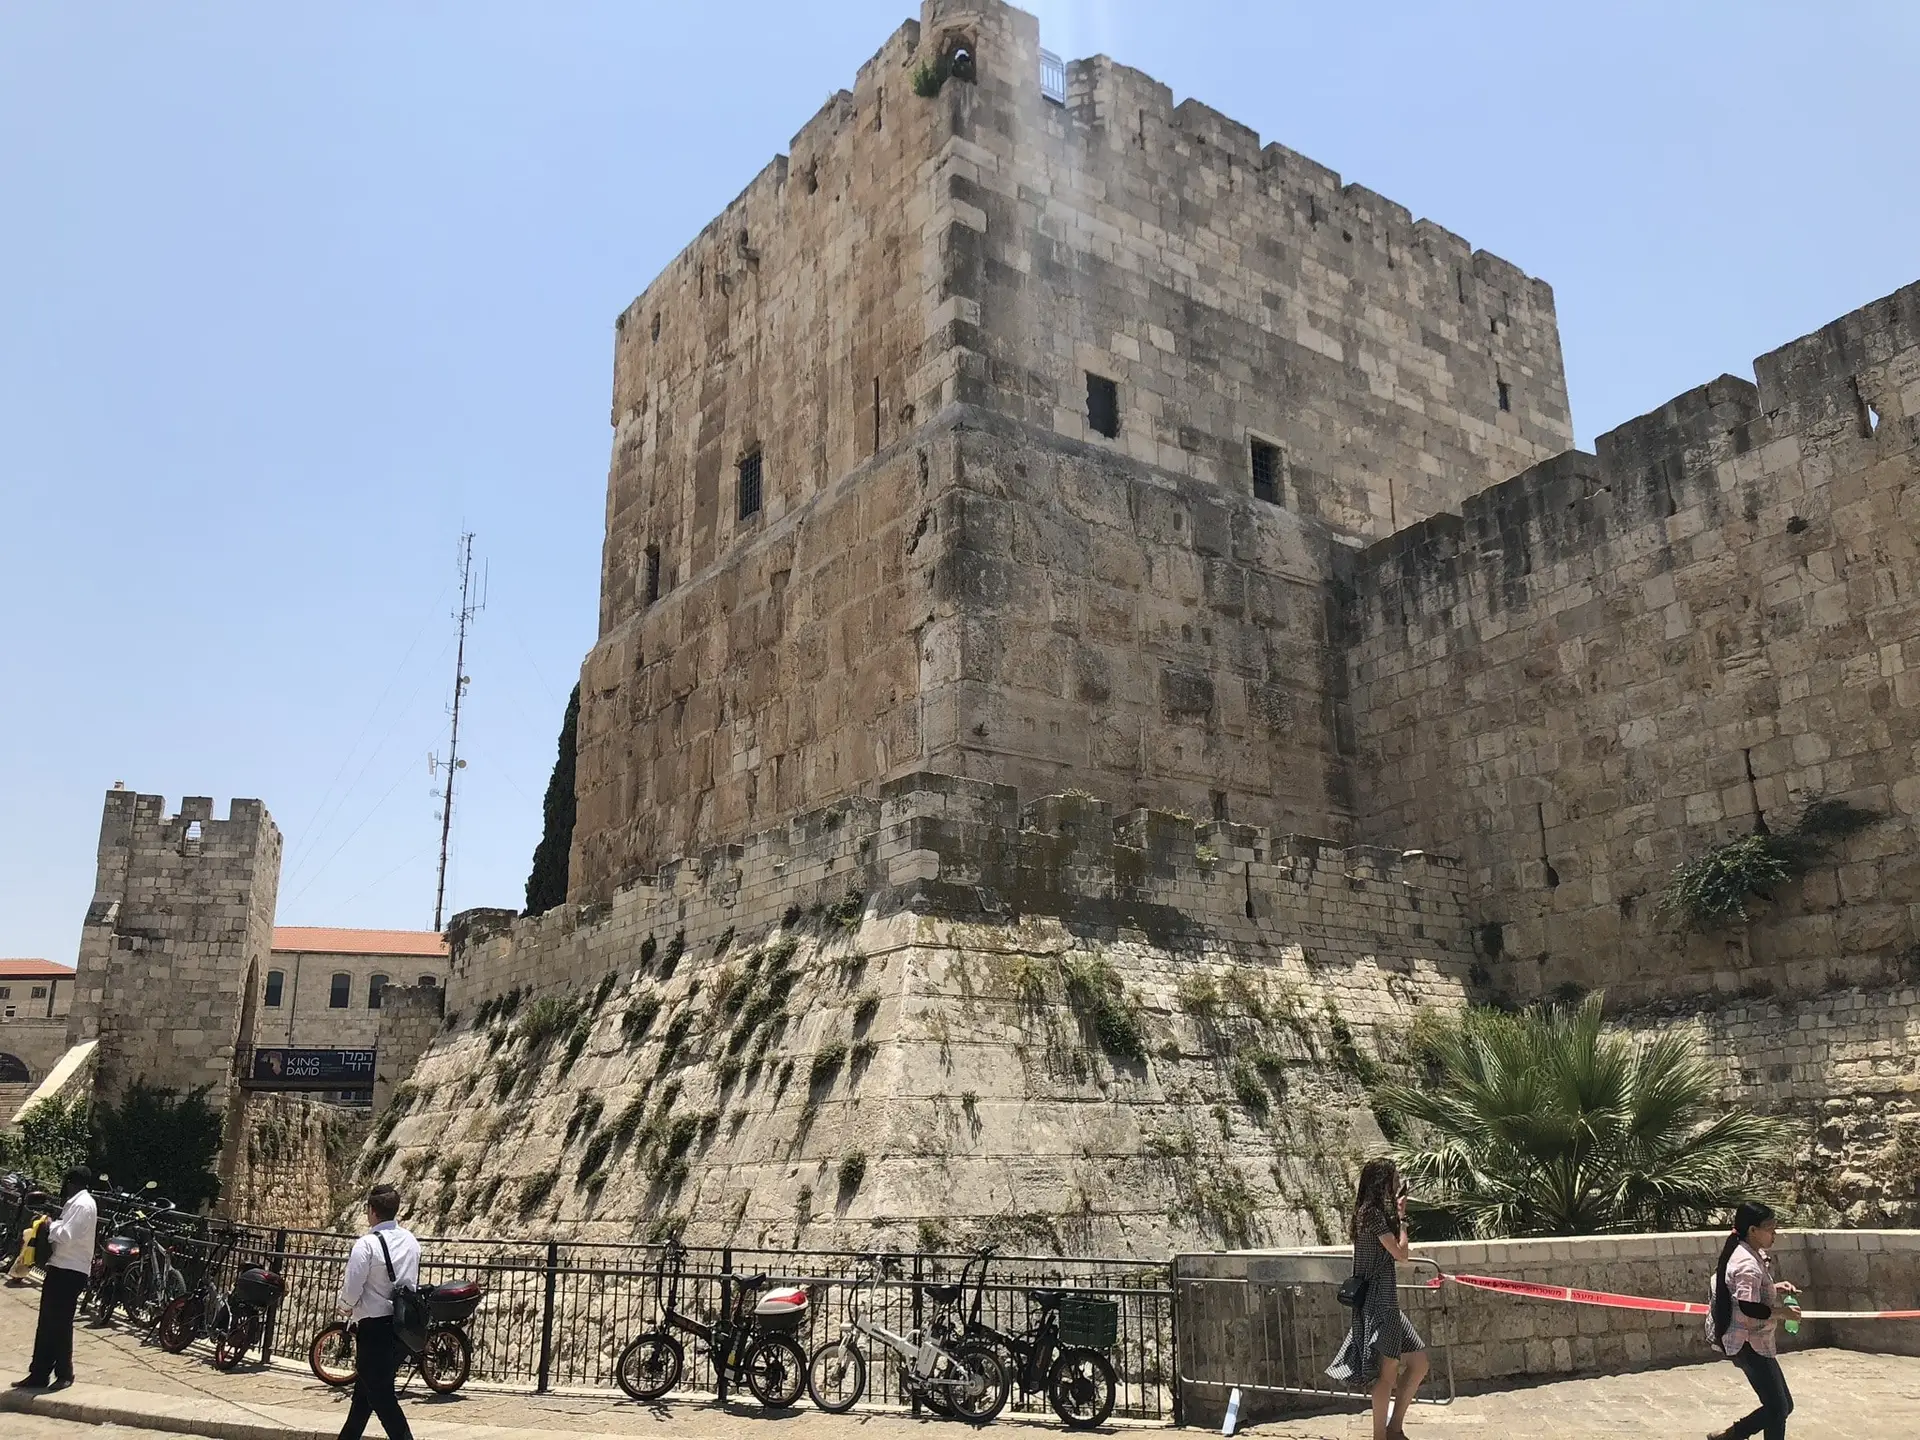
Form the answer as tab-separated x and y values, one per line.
54	1136
1543	1123
547	883
162	1135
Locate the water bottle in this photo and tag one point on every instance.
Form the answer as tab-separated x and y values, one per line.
1232	1422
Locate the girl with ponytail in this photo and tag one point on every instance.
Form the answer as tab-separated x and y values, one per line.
1741	1322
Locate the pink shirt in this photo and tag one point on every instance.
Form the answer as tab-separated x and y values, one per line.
1749	1278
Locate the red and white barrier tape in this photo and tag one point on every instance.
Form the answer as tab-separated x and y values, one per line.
1570	1295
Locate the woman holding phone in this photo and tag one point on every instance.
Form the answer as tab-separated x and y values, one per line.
1383	1348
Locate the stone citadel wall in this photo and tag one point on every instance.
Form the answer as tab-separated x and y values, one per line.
1611	663
923	266
178	931
714	1046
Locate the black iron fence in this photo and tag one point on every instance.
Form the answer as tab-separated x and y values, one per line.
557	1313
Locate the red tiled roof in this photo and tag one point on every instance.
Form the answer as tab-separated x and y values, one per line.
325	940
34	970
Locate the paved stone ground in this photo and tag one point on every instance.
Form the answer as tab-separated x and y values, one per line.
1841	1395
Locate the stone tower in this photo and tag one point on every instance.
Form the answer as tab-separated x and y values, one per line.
1020	436
179	928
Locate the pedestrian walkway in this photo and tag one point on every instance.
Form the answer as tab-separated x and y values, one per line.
1841	1395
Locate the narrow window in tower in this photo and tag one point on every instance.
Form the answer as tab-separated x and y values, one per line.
276	986
1506	395
1103	405
656	325
1266	471
750	485
653	573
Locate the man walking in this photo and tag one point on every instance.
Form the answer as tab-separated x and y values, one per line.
383	1257
66	1277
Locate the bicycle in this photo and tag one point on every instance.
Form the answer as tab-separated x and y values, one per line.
960	1377
753	1342
235	1321
135	1270
443	1364
1061	1352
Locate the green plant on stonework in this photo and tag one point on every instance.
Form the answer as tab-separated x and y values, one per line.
534	1191
930	1236
1095	989
845	913
1244	992
594	1158
1027	974
1543	1123
781	952
602	990
1208	1189
577	1040
861	1055
674	1036
930	75
638	1017
853	1169
168	1136
629	1118
546	1019
1248	1088
1347	1054
729	1072
730	991
865	1009
586	1116
53	1137
1711	890
680	1136
826	1064
1198	995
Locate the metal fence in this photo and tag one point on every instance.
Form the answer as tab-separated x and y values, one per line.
1273	1330
557	1314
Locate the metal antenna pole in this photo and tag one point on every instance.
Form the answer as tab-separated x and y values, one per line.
468	608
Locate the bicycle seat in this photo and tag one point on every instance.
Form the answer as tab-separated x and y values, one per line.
753	1282
943	1294
1046	1298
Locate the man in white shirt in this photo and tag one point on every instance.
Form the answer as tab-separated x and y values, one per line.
383	1257
66	1271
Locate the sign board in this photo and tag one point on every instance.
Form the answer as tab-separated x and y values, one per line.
313	1069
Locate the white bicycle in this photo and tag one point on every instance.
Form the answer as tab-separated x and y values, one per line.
959	1377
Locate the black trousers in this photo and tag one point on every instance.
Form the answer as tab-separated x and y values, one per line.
53	1336
1776	1401
381	1357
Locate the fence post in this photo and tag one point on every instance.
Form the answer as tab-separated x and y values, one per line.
546	1317
1173	1344
723	1354
919	1274
279	1266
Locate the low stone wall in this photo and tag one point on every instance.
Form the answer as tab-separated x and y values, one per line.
1235	1331
292	1161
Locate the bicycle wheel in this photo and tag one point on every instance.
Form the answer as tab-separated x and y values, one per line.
776	1371
984	1395
141	1299
230	1346
1081	1388
446	1361
837	1376
331	1356
175	1329
650	1366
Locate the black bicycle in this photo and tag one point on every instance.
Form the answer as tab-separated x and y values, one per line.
751	1342
234	1320
1061	1352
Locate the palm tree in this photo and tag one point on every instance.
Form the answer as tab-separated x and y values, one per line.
1543	1123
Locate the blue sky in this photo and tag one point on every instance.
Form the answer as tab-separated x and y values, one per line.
288	296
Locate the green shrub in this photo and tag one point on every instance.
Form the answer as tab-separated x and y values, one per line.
865	1009
1095	990
1711	890
585	1117
629	1118
1247	1087
929	76
845	913
168	1136
649	947
546	1018
861	1056
534	1191
681	1135
603	989
577	1041
594	1157
781	952
674	1036
53	1137
1198	995
724	943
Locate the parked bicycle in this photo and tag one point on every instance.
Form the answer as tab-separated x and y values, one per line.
235	1321
1060	1353
134	1269
753	1342
444	1364
951	1374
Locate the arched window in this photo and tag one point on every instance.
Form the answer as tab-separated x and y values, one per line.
340	993
374	988
13	1070
276	982
430	981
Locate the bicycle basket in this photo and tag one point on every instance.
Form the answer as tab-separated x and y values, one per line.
1089	1321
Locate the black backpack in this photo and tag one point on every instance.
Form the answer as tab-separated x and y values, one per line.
409	1306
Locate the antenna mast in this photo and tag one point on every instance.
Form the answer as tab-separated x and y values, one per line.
469	607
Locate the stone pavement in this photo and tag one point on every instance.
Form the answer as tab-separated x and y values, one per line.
1841	1395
